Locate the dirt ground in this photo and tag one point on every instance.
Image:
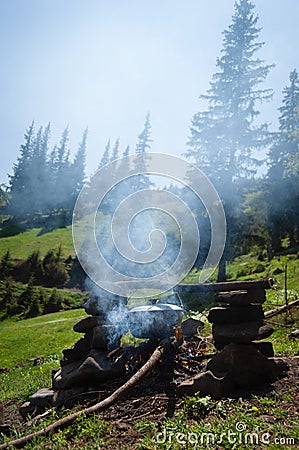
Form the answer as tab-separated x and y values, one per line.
154	400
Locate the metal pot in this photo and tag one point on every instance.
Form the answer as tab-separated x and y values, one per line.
154	320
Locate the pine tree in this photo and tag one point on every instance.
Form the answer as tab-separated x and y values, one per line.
142	146
77	169
106	155
225	135
115	150
38	186
19	181
283	191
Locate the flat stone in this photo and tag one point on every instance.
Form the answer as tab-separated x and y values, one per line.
104	337
294	334
241	333
89	372
265	331
247	367
79	349
27	409
236	314
191	326
86	324
43	397
206	383
266	348
242	298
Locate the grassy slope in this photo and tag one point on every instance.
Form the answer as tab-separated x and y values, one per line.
46	336
23	244
22	341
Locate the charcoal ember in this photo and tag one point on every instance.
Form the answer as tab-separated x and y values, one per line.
236	314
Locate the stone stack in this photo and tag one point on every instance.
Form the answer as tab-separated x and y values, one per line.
84	365
242	363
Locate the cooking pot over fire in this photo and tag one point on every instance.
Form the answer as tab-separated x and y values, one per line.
154	320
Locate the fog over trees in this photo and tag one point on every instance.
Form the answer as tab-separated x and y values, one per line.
225	141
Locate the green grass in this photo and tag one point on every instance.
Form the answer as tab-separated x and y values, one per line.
21	342
23	244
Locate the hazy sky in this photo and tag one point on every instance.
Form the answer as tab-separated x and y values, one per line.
105	64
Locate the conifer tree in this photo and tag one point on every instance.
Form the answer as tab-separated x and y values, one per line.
78	169
225	135
283	178
19	180
106	155
143	145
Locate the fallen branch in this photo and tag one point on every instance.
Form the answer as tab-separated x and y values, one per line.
281	310
104	404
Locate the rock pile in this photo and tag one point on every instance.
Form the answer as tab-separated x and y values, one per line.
84	365
243	362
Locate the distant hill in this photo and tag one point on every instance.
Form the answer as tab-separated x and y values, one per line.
21	245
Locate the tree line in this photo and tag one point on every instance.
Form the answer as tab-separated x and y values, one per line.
226	137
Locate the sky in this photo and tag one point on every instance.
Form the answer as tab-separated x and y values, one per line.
106	64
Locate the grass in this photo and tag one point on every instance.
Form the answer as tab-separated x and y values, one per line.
23	244
43	338
21	342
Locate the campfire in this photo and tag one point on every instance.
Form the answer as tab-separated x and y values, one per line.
238	362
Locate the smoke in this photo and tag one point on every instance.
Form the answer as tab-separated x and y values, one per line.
136	240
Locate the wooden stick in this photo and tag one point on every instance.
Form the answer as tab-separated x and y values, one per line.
281	310
104	404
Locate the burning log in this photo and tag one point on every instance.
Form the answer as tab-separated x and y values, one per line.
104	404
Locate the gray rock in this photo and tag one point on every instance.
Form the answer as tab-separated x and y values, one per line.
92	371
27	409
206	383
80	348
246	366
236	314
86	324
104	337
191	326
43	397
264	332
266	348
240	333
294	334
242	298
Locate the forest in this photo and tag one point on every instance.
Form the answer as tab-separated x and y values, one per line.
227	141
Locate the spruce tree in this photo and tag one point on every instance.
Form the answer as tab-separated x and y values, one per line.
20	179
106	155
225	135
115	150
283	178
142	146
77	169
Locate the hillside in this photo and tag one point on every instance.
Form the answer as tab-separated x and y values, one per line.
22	244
